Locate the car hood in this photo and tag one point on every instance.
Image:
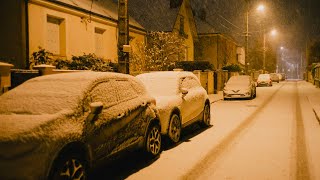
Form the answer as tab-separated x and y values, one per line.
22	127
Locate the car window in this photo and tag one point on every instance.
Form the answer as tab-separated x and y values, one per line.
189	83
104	92
125	90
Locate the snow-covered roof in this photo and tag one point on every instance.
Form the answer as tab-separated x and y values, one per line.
154	15
164	82
105	8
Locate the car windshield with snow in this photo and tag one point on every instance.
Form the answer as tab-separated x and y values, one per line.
240	87
180	98
59	126
264	80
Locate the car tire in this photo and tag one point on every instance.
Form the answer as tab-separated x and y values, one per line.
205	122
174	131
70	166
153	140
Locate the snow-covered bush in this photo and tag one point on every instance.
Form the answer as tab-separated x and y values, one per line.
161	52
193	65
232	68
41	56
85	62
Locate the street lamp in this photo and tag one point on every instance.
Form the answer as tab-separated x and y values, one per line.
260	8
273	32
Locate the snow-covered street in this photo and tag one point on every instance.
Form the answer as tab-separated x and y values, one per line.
274	136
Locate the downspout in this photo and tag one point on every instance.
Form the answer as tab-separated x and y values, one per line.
217	52
27	31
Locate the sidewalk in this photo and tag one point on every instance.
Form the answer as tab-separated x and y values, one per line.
216	97
313	95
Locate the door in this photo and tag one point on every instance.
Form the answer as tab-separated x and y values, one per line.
192	103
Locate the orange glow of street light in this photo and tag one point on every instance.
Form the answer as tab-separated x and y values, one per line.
261	8
273	32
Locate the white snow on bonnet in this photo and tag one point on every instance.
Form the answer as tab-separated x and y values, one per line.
164	82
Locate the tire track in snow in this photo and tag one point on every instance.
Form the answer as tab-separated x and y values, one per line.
302	165
214	154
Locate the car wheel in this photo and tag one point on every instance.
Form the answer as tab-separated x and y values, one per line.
174	128
69	167
255	93
206	116
153	140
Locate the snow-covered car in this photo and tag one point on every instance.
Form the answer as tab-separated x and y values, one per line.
61	126
180	99
240	87
274	77
264	80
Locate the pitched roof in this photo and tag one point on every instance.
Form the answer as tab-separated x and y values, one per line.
106	9
154	15
203	27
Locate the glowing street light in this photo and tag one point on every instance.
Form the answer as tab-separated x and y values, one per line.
273	32
261	8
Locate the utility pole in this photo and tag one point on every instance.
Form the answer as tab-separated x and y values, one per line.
123	36
246	39
264	50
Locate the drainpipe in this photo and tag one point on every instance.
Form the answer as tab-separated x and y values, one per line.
27	31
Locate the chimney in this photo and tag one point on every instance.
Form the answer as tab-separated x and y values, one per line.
175	3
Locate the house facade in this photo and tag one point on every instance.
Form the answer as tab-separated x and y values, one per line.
167	16
219	50
65	28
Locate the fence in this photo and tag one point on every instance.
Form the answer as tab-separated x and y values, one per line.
212	81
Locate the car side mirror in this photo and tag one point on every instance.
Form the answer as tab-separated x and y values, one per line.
96	107
184	91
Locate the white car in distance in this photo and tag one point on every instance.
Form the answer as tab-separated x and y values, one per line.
180	99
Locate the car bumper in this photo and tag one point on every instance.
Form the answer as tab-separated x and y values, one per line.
264	84
234	96
29	165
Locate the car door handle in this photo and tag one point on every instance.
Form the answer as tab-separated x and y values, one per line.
143	104
120	116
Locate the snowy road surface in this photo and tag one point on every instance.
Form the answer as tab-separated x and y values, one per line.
274	136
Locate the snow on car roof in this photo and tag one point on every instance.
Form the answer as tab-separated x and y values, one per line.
163	82
52	93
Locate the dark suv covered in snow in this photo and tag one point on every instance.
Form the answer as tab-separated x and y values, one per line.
59	126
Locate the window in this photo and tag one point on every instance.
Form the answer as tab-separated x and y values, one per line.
55	35
181	30
189	82
98	38
125	90
105	93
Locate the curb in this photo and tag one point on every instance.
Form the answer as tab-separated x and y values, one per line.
317	117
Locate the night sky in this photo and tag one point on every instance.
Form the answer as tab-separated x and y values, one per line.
297	21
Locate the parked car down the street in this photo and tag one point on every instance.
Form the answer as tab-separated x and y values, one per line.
274	77
59	126
264	80
180	99
279	76
240	87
